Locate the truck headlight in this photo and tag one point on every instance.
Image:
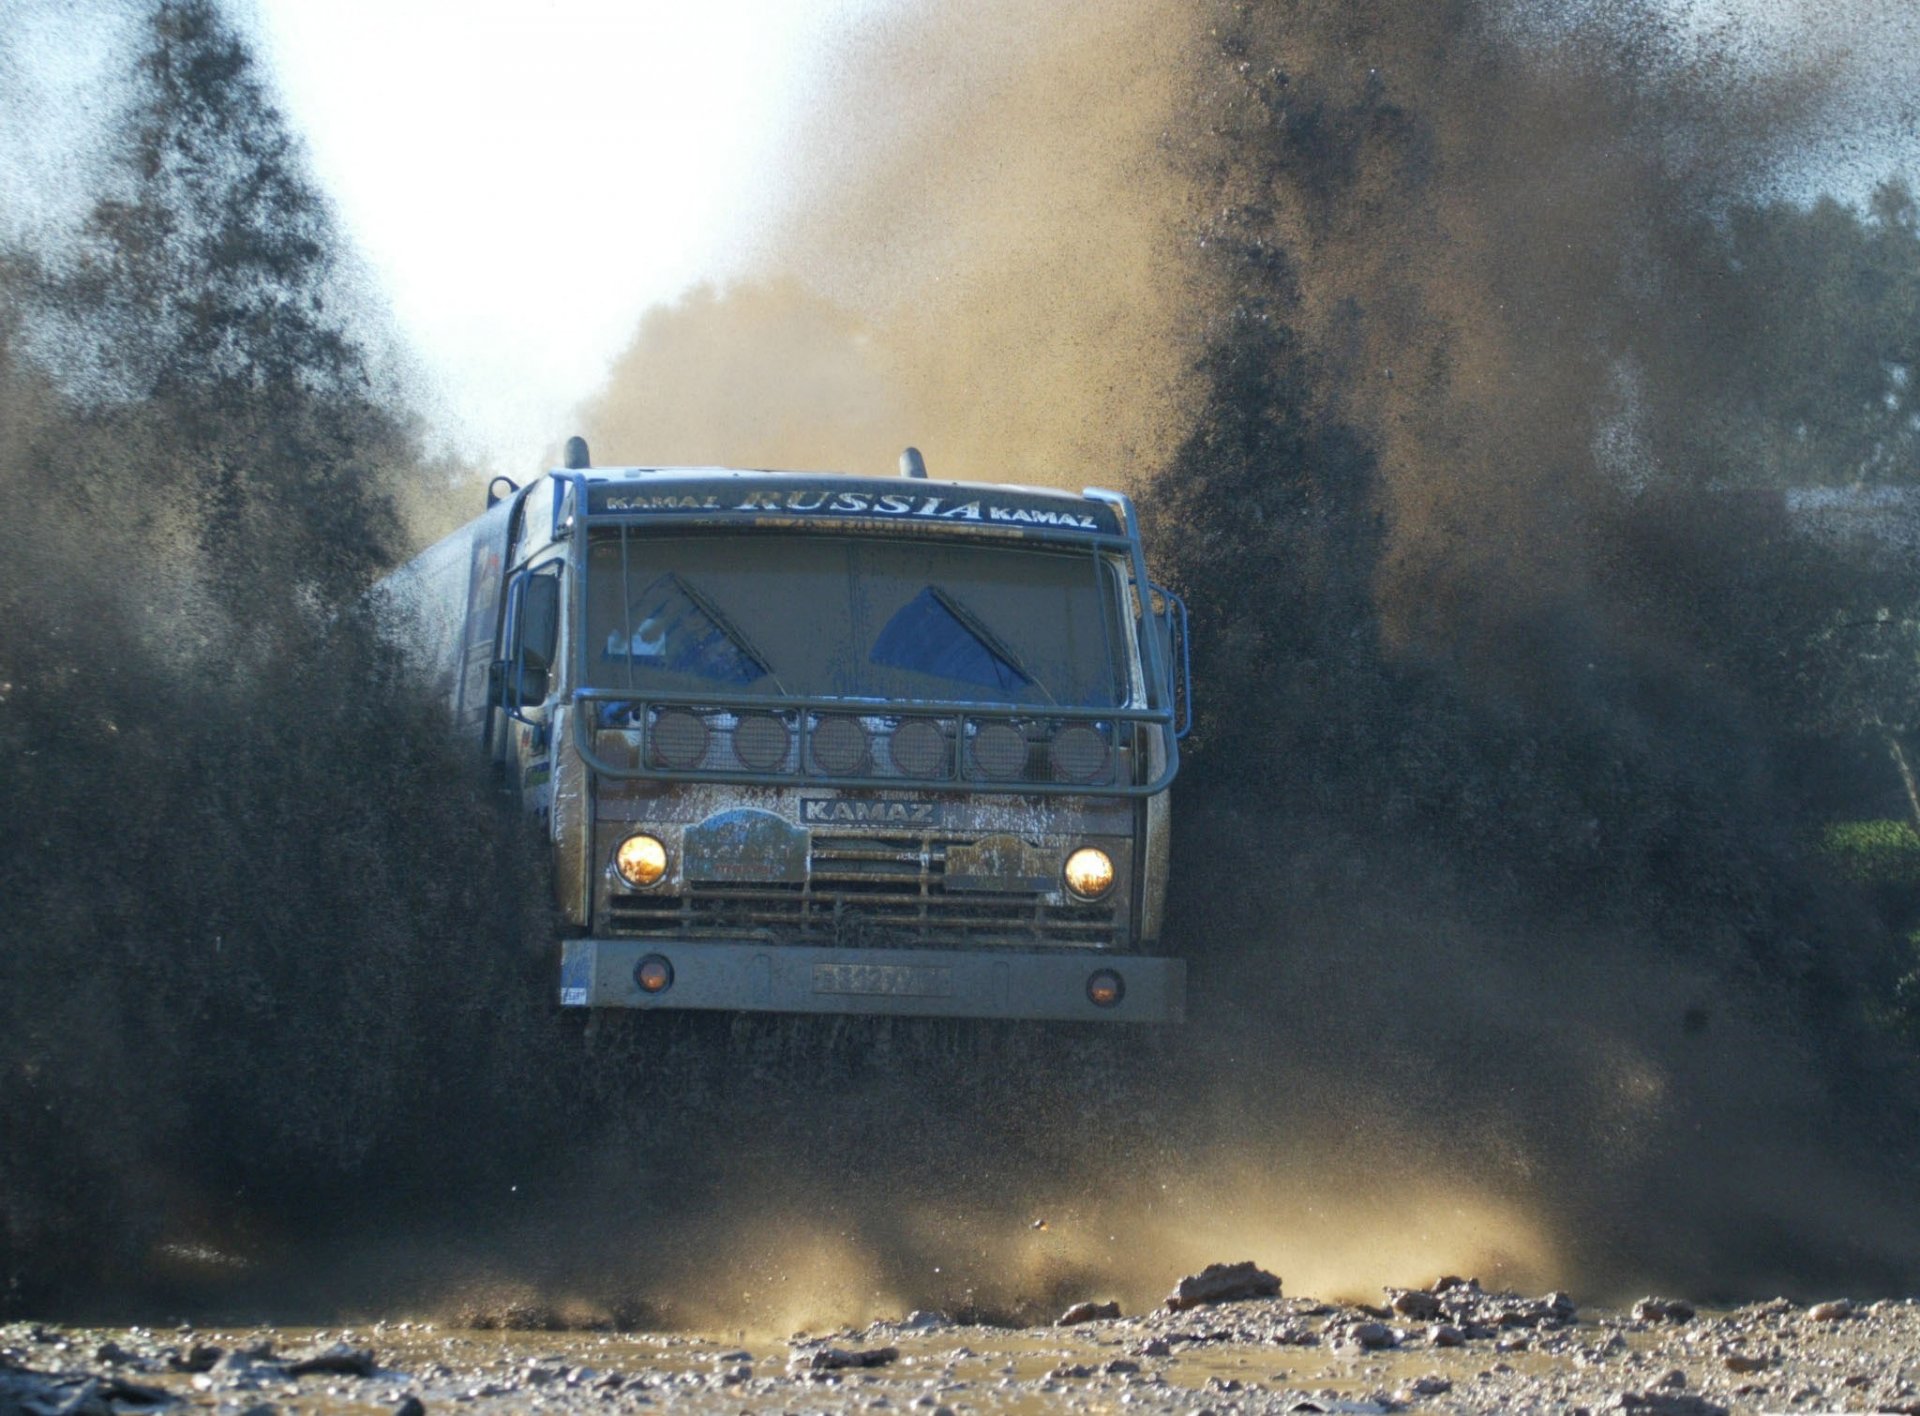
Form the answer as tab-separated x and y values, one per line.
641	860
1089	872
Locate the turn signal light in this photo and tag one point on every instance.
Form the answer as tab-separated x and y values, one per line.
654	974
1105	988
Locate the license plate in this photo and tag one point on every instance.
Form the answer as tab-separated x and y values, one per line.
893	980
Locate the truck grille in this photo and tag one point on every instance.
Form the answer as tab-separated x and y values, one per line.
865	890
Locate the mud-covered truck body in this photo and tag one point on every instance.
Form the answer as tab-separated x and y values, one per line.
824	744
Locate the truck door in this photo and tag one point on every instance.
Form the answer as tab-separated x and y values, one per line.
528	680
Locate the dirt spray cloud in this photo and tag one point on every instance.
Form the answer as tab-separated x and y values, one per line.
1508	953
1396	318
979	255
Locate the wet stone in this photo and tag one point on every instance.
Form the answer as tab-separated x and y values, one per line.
1087	1313
834	1359
1831	1312
1369	1336
1415	1304
1656	1403
1662	1310
1222	1283
337	1360
1446	1335
135	1393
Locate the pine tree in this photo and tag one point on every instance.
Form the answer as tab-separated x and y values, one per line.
206	299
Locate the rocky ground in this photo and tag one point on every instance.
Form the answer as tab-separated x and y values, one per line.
1224	1342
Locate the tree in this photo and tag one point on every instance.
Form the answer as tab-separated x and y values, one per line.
206	296
1801	366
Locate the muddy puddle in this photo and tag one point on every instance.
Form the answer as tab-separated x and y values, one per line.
1458	1350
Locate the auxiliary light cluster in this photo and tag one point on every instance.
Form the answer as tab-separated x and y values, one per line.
683	739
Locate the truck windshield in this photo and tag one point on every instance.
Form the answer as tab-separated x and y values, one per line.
853	617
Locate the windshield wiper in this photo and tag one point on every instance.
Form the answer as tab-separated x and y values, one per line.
727	627
995	644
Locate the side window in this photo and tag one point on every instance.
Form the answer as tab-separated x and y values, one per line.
526	674
540	620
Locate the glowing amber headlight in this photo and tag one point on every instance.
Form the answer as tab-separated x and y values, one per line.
641	860
1089	872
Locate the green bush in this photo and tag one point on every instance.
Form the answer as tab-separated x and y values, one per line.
1874	852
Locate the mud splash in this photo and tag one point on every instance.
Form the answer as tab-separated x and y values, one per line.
1508	955
980	257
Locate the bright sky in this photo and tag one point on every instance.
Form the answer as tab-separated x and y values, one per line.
528	175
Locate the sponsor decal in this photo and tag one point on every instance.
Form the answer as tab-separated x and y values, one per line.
827	501
842	811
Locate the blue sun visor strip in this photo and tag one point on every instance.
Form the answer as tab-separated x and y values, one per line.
927	637
672	632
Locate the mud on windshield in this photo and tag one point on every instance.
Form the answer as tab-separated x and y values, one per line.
853	617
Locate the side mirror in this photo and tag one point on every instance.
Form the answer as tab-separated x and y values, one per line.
1170	623
532	687
513	691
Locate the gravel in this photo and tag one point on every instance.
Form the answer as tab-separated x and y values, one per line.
1451	1348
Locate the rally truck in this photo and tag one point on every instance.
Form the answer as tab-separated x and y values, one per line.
816	743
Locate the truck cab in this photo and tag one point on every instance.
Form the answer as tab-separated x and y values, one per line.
827	744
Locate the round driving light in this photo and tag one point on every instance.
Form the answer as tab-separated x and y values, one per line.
1104	988
760	741
1000	751
919	749
678	739
1089	872
1079	753
641	860
655	975
839	746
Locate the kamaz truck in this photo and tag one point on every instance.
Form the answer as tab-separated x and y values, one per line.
824	744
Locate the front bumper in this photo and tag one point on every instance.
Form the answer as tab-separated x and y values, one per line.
801	978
